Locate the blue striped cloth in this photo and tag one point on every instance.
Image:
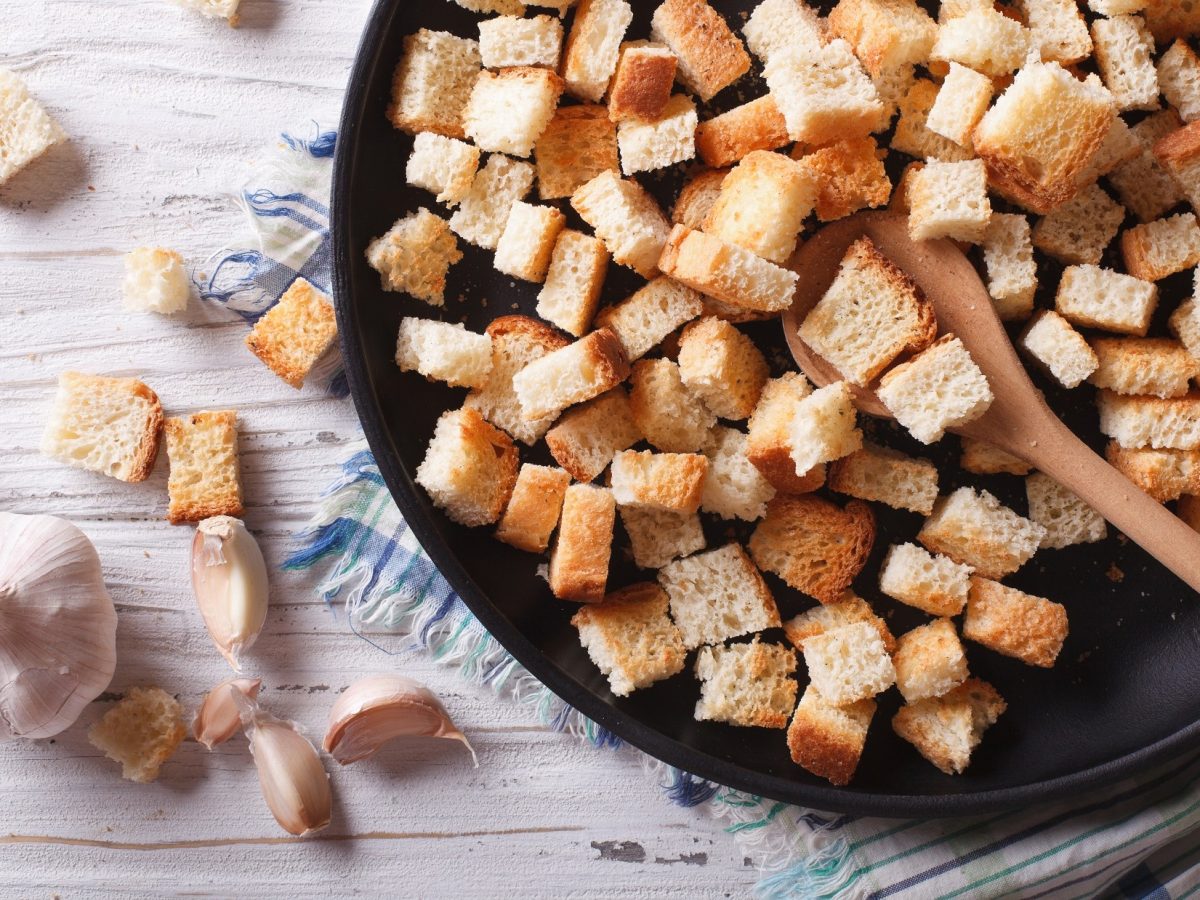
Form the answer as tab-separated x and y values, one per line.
1138	839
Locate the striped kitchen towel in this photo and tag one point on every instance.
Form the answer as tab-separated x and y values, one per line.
1138	839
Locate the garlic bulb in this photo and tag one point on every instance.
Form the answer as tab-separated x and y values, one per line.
229	579
376	709
58	626
218	719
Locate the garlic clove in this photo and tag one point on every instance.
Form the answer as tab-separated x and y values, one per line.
378	708
218	719
229	579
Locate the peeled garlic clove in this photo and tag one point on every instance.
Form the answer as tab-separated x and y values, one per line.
376	709
293	781
218	719
229	579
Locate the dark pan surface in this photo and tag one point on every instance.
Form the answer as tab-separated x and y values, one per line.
1126	691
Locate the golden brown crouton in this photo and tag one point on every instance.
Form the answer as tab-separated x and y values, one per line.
1031	629
579	560
579	143
828	740
204	478
850	176
727	138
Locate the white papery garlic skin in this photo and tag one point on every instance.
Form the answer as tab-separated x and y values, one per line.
229	579
58	626
218	718
378	708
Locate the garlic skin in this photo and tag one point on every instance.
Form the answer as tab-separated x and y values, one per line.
58	626
217	718
229	579
378	708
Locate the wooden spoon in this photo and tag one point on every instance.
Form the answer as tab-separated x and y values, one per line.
1019	421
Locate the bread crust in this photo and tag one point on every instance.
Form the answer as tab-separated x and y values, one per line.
757	125
642	86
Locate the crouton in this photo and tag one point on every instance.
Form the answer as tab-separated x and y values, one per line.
983	39
444	351
823	617
646	317
671	417
884	34
156	280
594	46
585	440
933	584
886	476
892	86
626	218
722	366
726	272
973	528
661	143
697	197
533	509
1121	145
510	41
758	125
1080	230
483	212
913	134
415	255
573	282
1157	367
205	479
1179	80
502	7
710	55
828	740
642	85
579	143
939	388
1066	518
1163	474
849	176
718	595
509	109
657	536
823	427
1011	272
1058	30
947	729
579	559
1157	249
1185	325
746	684
141	732
578	372
981	458
527	242
1179	154
815	546
949	199
669	481
215	9
823	93
929	661
630	638
516	342
1101	298
769	446
1013	623
961	102
1125	56
433	82
1163	424
733	487
469	468
1166	21
1117	7
443	166
1144	185
848	664
1051	342
762	205
106	425
779	24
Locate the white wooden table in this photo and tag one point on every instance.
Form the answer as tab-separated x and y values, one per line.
164	110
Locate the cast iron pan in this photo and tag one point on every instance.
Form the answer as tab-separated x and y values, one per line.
1124	695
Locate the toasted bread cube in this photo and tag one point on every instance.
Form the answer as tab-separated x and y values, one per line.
661	143
779	24
929	661
509	109
746	684
469	468
433	82
733	487
1179	153
1121	145
1079	230
1125	56
444	351
630	637
892	86
886	476
1059	32
726	272
823	617
1144	185
722	366
1030	158
710	55
884	34
758	125
594	45
762	205
534	507
626	218
106	425
816	546
503	7
828	740
509	41
939	388
1157	367
578	372
669	481
527	242
573	282
913	134
947	729
961	102
849	176
974	529
483	213
949	199
156	280
671	417
983	39
1102	298
1051	342
1179	80
658	536
718	595
1012	273
933	584
849	664
516	342
697	197
1161	248
824	427
415	255
443	166
1117	7
579	143
204	478
1066	518
296	332
642	85
1185	325
645	318
1163	474
141	732
585	440
1031	629
1167	21
769	447
823	93
981	458
579	560
1163	424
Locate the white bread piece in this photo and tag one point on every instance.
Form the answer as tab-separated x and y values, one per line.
106	425
1163	247
657	536
641	87
645	318
1120	145
527	242
847	610
415	255
913	135
626	218
1101	298
577	372
947	729
933	584
508	41
483	212
294	334
725	139
1179	154
503	7
779	24
1066	518
1125	56
669	139
469	468
534	507
1162	424
849	664
580	557
985	40
1117	7
579	143
215	9
828	740
1011	272
716	595
630	638
961	102
726	272
892	86
667	412
952	9
1059	32
884	34
975	529
1163	474
669	481
824	427
949	199
722	366
444	351
1059	349
763	204
594	45
824	94
443	166
509	109
697	197
1185	325
156	280
886	476
1079	231
571	291
769	446
868	316
746	684
586	438
711	57
1031	629
516	342
941	387
733	487
1179	80
141	732
929	660
1145	187
433	82
981	458
1156	367
850	175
